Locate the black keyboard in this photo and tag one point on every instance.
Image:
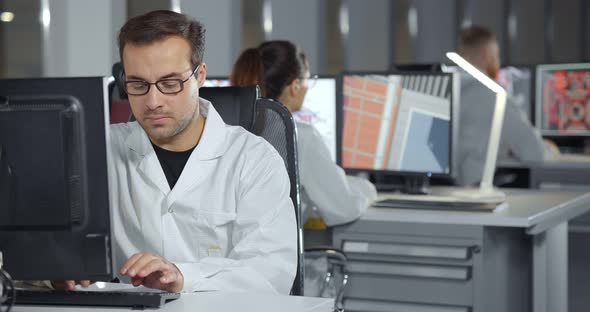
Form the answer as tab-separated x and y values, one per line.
433	205
119	298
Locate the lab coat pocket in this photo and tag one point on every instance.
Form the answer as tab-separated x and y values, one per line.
214	233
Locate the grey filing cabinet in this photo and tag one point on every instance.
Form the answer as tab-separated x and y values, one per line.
415	267
415	260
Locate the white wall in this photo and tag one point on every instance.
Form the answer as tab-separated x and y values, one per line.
436	30
80	38
299	22
222	20
368	42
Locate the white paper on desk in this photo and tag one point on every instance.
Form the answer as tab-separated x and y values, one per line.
501	207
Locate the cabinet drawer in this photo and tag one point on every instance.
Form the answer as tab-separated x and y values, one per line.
359	305
460	273
407	250
382	286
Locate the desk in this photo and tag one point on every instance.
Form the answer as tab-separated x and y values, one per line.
425	260
218	302
558	173
567	174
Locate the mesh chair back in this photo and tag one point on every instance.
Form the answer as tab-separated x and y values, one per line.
275	124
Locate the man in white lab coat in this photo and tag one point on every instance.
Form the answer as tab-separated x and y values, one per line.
197	204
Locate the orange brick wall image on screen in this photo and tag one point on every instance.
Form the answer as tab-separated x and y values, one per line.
566	100
365	120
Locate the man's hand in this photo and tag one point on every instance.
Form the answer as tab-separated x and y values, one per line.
153	271
552	148
69	284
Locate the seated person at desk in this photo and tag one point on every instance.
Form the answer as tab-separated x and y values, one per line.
196	204
282	72
519	141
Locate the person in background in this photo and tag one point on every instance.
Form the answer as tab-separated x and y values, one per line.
282	72
520	141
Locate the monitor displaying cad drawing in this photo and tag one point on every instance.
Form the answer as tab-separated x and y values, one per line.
319	110
563	99
399	123
217	82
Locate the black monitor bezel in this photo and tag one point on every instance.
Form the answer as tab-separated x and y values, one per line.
89	248
339	117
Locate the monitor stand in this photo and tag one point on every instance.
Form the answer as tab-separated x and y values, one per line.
414	184
418	185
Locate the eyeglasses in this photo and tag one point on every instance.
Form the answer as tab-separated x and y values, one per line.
166	86
312	81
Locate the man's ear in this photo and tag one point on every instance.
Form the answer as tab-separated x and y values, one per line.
294	87
201	74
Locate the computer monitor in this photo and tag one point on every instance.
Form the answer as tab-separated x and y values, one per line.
54	199
319	110
217	82
397	123
518	82
563	99
418	67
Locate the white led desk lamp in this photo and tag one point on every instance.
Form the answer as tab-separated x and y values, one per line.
486	188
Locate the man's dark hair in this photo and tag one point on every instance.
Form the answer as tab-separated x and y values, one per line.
473	38
157	25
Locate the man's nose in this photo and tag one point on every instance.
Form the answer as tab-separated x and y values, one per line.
153	98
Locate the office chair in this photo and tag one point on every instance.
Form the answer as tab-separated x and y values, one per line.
235	105
329	265
275	124
120	110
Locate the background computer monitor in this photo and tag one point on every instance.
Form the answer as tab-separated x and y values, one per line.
518	82
417	67
396	123
54	220
217	82
319	110
563	99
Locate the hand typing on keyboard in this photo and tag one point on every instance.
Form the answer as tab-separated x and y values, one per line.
153	271
69	285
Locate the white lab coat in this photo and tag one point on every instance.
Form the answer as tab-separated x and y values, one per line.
228	223
338	198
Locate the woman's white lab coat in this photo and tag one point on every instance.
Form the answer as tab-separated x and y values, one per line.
337	197
228	223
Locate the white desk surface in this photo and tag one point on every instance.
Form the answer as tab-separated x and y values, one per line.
215	301
534	210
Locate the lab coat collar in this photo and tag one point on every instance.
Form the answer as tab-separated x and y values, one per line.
212	140
211	145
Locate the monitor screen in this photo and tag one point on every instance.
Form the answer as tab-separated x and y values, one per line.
397	123
563	99
54	199
319	110
217	82
518	82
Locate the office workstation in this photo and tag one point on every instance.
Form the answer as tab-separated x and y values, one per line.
360	164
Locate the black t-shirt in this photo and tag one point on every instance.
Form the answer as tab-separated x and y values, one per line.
172	163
